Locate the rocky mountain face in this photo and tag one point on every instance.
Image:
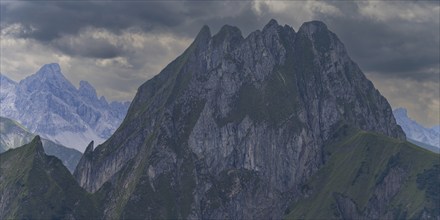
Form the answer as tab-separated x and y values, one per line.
234	127
49	105
13	135
415	131
36	186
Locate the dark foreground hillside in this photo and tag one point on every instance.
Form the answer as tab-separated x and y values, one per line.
34	185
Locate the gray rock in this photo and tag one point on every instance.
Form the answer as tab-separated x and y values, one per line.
234	126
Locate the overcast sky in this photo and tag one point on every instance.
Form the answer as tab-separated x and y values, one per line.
117	46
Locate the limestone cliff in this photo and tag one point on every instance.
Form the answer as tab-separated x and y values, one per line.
234	126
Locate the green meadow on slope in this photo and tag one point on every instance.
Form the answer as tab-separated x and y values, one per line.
13	135
35	185
358	165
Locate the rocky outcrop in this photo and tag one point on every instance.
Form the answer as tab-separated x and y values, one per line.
233	126
84	165
346	208
384	192
377	207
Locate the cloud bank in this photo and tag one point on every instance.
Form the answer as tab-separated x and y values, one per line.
119	45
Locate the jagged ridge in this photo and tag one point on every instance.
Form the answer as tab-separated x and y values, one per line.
233	125
46	103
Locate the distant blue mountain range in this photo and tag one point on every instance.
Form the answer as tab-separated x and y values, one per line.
417	133
46	103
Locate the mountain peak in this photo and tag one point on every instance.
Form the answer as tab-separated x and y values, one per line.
313	26
47	78
37	145
51	68
202	37
270	89
47	103
86	89
229	30
103	100
322	39
5	79
272	23
89	148
204	33
50	73
228	33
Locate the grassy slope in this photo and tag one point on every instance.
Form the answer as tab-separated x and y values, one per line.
426	146
22	136
37	185
15	166
354	167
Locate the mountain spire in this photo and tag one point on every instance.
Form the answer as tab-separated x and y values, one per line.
311	27
272	23
38	145
204	33
86	89
229	34
51	68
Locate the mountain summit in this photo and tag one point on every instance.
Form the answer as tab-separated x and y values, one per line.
234	127
46	103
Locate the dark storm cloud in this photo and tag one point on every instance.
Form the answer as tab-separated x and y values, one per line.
50	23
392	47
395	41
215	14
54	19
388	49
88	47
395	48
